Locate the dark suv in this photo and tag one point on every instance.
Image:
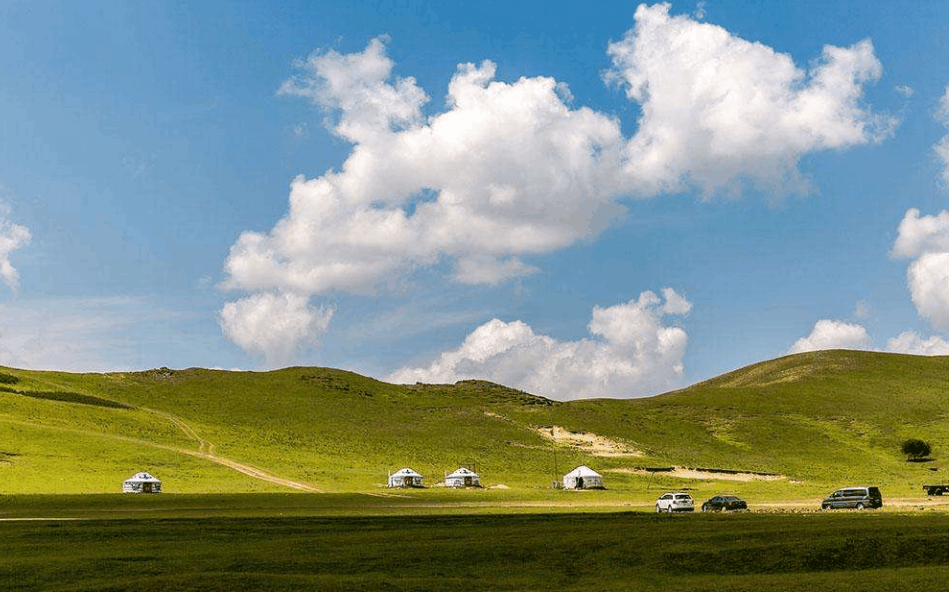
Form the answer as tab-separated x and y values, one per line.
853	497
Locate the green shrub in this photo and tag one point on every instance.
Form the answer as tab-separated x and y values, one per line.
916	449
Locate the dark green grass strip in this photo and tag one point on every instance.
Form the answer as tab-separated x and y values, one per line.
626	551
68	397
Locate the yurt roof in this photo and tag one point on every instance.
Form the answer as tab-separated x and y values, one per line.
143	476
583	471
463	472
406	472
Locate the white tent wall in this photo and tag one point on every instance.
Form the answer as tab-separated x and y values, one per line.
583	477
141	483
463	478
405	478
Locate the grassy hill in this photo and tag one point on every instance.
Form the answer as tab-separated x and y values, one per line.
819	419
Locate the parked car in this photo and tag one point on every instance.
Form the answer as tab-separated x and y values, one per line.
853	497
727	503
675	502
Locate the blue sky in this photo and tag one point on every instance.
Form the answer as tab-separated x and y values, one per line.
579	201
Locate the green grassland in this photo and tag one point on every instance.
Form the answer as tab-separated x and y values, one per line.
819	420
592	551
274	481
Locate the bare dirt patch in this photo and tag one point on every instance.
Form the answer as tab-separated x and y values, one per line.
702	474
588	442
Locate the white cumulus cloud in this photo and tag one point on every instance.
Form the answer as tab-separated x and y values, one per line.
509	170
12	237
719	109
928	279
918	235
512	169
274	325
926	240
830	334
911	342
630	353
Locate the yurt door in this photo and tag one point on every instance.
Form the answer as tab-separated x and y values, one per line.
467	481
579	482
146	487
407	482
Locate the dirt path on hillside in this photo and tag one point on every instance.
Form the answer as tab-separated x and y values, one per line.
203	445
257	473
205	449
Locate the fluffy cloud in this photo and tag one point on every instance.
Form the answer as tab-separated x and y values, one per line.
717	108
919	235
911	342
356	85
511	170
828	334
274	325
12	237
926	239
928	279
630	353
508	171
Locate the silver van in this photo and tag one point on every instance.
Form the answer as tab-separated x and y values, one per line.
853	497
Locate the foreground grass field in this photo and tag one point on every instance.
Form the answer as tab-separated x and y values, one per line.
336	543
236	449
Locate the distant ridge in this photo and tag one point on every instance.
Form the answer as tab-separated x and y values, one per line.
817	418
797	367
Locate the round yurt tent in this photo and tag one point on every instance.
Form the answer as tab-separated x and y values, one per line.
405	478
141	483
463	478
583	477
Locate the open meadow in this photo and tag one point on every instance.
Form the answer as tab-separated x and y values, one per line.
289	542
795	426
276	481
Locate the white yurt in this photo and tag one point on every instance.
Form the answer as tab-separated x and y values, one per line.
141	483
583	477
463	478
405	478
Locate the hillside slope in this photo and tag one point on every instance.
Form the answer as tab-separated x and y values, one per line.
817	419
830	415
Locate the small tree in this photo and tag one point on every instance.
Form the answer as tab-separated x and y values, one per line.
916	449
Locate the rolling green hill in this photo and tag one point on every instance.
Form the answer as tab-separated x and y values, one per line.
817	420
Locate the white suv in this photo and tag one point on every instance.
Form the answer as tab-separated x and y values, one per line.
675	502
